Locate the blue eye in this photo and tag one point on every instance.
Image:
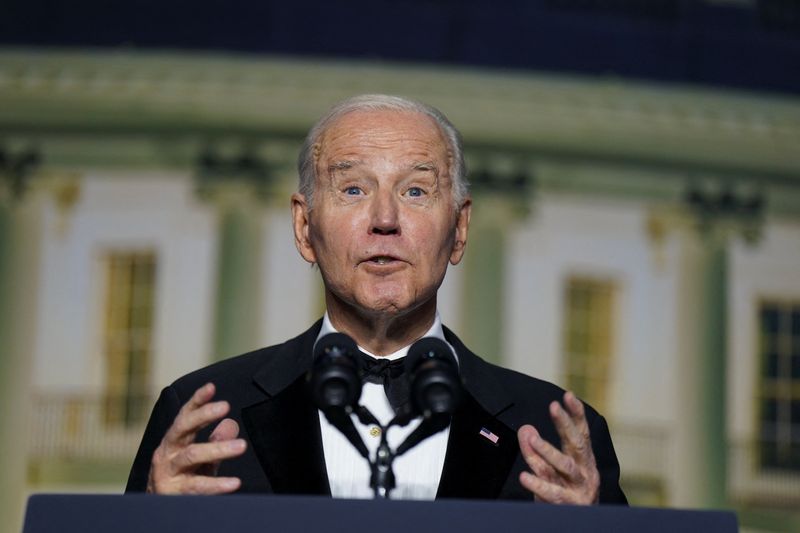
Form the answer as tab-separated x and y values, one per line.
352	191
415	192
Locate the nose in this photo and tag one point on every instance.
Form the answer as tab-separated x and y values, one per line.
384	214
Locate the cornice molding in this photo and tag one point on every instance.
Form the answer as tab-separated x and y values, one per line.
184	98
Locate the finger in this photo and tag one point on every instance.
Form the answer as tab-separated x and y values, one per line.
227	429
201	485
195	415
577	412
200	397
563	464
543	490
572	429
543	470
213	485
188	423
196	455
525	435
575	406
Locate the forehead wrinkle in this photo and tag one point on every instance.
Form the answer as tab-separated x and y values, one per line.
340	141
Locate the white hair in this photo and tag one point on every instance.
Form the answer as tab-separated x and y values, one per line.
306	165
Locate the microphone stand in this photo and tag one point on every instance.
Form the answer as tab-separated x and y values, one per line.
336	387
382	479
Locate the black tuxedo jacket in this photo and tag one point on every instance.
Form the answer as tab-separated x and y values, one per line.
266	390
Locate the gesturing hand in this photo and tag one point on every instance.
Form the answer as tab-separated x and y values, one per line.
568	475
182	466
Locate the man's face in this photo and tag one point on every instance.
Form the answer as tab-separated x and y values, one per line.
383	225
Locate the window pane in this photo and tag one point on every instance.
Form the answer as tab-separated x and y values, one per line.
794	458
770	320
780	387
771	362
796	322
588	342
769	411
768	455
128	335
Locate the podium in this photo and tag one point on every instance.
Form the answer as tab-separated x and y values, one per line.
301	514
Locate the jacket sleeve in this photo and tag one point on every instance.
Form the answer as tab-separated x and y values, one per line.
607	463
164	413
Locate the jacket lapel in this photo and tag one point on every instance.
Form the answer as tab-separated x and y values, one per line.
481	450
284	429
285	434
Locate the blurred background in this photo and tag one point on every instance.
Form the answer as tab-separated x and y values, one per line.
635	168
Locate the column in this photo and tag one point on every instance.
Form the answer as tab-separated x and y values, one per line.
238	278
237	184
19	239
499	200
701	436
484	279
711	219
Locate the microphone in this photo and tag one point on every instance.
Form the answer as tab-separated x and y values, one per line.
435	388
435	382
334	377
336	386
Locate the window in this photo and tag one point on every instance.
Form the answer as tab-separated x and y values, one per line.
779	413
128	335
588	342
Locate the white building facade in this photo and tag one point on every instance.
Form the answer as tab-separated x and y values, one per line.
638	244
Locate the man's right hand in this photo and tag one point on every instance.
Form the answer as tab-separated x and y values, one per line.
182	466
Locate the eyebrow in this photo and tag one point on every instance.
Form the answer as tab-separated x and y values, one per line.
346	164
426	166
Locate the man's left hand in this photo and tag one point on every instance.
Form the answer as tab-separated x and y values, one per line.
568	475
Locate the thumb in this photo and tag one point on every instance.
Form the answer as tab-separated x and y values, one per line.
227	429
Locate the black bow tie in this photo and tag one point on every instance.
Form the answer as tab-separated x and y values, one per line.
393	376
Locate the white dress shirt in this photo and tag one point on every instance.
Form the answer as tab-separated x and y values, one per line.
417	472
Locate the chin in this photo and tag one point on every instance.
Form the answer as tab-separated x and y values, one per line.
384	307
395	305
377	304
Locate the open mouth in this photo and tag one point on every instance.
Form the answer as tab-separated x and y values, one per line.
383	261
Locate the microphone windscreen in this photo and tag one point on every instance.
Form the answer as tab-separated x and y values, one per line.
334	377
428	348
335	344
435	381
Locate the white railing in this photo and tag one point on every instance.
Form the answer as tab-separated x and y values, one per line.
89	427
749	482
644	453
642	450
85	427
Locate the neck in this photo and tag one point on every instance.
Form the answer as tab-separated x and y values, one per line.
382	333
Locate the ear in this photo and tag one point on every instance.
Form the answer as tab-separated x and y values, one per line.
462	228
300	223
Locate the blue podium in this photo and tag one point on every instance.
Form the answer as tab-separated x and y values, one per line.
300	514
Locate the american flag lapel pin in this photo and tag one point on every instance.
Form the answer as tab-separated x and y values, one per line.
488	435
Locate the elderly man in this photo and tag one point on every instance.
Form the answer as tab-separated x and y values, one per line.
382	209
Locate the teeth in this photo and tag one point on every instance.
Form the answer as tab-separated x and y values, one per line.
381	260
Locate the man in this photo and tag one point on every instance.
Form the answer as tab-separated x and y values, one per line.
382	209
